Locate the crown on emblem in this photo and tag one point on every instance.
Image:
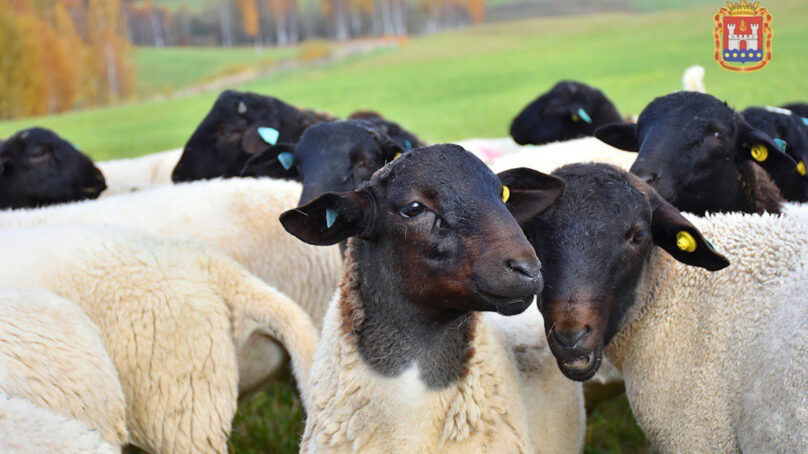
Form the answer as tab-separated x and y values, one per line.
742	8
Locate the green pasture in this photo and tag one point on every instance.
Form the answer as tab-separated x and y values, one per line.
466	83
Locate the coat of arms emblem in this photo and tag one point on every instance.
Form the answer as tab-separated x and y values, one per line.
743	37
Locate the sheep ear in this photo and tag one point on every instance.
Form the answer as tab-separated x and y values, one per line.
676	235
619	135
757	146
527	192
331	218
391	149
258	138
276	162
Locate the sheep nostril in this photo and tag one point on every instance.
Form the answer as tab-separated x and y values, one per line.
571	338
527	268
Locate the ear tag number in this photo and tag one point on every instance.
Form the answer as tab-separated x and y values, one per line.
286	159
685	241
269	135
330	217
583	115
506	194
760	153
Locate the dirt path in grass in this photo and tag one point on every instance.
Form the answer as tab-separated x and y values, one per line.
340	51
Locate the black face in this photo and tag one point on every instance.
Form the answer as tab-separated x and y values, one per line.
692	149
405	139
38	168
569	110
433	224
789	131
330	157
233	131
594	243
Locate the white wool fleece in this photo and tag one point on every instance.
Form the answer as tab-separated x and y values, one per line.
239	216
28	429
172	315
718	362
52	355
137	174
548	157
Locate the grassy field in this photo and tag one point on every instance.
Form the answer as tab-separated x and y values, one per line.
467	83
471	82
167	69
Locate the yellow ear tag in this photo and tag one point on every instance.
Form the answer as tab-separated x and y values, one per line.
801	168
685	241
760	153
506	193
398	155
574	117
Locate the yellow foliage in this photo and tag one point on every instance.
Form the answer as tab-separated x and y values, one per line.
314	50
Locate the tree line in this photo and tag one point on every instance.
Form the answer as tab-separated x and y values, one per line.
60	54
285	22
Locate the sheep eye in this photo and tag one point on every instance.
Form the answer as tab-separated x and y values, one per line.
412	209
636	237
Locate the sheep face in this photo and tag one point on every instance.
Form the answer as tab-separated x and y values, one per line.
37	168
568	111
693	149
231	133
595	242
793	135
405	139
330	157
432	228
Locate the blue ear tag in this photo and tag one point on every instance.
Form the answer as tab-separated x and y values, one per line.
584	116
804	121
287	159
408	145
269	135
330	217
781	144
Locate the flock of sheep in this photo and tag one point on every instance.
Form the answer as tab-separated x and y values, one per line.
141	298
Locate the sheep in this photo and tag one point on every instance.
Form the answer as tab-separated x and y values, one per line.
702	156
405	139
567	111
53	356
546	158
240	125
412	357
239	216
333	156
712	362
175	316
27	429
791	134
136	174
40	168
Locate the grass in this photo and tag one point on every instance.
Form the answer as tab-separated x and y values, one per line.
167	69
467	83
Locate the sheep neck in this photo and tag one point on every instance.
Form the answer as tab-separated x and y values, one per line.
394	334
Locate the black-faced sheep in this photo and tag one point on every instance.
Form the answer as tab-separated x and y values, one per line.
567	111
712	362
240	125
416	355
702	156
37	167
333	156
791	134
